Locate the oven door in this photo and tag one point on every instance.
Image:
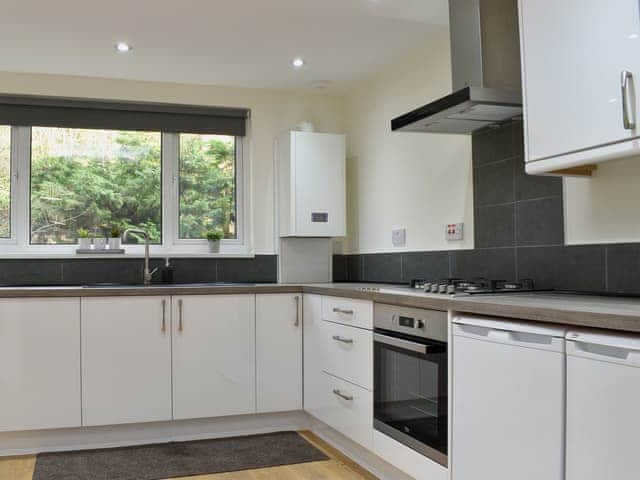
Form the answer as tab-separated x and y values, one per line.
410	392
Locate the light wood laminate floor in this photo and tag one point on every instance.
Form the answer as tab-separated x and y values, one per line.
338	467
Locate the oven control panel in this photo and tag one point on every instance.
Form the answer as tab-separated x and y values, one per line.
412	321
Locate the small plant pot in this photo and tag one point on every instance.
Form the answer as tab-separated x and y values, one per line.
114	243
99	243
84	243
214	246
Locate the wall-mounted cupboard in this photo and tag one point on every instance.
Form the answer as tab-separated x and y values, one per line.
580	70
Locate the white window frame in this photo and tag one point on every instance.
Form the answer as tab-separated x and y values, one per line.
18	245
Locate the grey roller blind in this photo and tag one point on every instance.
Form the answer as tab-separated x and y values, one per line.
117	115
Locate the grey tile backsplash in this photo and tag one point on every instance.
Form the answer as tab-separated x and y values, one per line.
519	233
259	269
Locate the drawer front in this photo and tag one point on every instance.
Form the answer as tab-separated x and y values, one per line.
348	353
357	313
346	408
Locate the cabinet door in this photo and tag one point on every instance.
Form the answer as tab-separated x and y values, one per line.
126	360
279	352
574	52
213	355
39	363
319	177
314	353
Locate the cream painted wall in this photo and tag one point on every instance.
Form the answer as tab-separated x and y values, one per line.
416	181
271	113
604	208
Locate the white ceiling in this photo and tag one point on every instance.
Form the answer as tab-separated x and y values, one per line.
218	42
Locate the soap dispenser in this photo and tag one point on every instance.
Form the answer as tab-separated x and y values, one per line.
167	271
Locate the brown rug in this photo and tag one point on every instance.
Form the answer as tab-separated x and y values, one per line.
177	459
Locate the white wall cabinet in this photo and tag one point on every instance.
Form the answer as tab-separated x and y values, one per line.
311	184
39	363
126	360
278	352
213	355
574	53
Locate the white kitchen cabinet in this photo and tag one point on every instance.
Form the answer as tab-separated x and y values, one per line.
574	53
126	360
278	352
314	351
213	355
39	363
603	387
311	184
508	400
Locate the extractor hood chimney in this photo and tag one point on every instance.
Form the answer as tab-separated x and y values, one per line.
485	67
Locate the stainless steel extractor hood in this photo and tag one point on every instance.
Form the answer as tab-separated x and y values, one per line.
485	64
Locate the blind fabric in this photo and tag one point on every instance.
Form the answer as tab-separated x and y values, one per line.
116	115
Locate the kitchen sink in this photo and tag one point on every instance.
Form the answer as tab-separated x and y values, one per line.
161	285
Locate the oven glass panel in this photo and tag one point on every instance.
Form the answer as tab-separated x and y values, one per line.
410	392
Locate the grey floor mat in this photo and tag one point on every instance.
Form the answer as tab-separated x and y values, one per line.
177	459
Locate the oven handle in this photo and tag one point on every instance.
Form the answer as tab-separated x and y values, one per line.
401	343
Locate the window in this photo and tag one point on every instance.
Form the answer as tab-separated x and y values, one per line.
94	179
207	186
175	171
5	181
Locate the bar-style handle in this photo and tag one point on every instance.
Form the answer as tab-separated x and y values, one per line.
297	300
341	310
338	338
338	393
625	85
164	316
180	315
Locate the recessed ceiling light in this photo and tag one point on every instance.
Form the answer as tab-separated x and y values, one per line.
298	62
123	47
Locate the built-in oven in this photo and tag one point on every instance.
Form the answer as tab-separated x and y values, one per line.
410	378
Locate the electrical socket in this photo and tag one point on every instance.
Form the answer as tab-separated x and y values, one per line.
399	237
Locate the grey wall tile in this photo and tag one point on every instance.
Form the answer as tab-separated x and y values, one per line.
382	267
493	183
493	144
340	273
564	267
102	270
260	269
540	222
192	270
623	268
354	268
31	272
430	266
495	226
528	187
493	263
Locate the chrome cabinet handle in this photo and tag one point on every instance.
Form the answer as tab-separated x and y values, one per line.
340	310
625	81
338	338
297	322
164	317
338	393
180	315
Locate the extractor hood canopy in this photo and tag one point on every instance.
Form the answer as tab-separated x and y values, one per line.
485	65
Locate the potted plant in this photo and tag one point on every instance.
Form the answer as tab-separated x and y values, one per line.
214	237
114	237
83	239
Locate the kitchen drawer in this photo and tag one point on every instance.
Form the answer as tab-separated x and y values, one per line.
348	353
357	313
346	408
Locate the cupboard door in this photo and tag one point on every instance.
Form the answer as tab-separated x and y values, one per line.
39	363
126	360
314	353
213	355
278	352
573	53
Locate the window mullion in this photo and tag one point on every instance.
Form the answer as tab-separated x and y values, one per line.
170	156
22	179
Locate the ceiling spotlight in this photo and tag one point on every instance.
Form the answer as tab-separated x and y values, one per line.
123	47
297	62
